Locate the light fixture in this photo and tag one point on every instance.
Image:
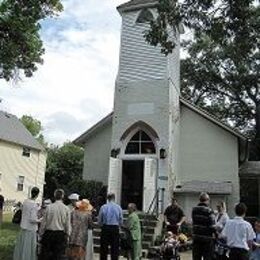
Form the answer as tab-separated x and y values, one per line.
163	153
114	152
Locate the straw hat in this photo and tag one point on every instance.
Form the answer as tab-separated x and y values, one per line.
84	205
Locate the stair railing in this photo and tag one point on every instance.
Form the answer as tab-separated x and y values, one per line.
153	208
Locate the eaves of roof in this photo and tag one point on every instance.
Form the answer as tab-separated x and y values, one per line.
91	131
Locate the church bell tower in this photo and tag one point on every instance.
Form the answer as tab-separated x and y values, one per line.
145	131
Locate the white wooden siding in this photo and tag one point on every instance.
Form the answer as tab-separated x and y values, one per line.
138	59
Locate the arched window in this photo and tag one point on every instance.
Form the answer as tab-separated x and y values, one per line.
145	16
140	143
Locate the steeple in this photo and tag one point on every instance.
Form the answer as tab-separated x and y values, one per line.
136	4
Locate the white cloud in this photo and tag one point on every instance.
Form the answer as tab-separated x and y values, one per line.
74	88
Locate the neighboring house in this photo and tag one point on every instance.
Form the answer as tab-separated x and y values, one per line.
155	142
22	159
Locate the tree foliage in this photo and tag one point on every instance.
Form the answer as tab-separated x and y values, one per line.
21	47
34	126
64	170
221	69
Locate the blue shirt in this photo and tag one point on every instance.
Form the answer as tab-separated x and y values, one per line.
110	214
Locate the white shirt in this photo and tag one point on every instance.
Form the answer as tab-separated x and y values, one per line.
29	215
238	232
56	218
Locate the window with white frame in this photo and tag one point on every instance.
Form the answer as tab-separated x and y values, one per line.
26	151
20	183
140	143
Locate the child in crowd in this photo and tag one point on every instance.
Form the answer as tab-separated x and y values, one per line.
169	246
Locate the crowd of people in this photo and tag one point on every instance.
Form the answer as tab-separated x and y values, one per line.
57	231
214	234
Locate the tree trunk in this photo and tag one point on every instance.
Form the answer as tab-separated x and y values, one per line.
257	120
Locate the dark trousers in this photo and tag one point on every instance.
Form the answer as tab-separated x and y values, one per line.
238	254
53	245
109	237
202	250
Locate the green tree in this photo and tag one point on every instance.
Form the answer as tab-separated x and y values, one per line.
64	165
221	70
34	126
21	47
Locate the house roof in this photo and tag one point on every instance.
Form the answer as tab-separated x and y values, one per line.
136	4
249	169
108	119
12	130
91	131
211	187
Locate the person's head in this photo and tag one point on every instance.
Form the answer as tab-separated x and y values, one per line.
46	203
221	206
111	197
174	202
74	198
257	226
34	192
204	198
240	209
84	205
170	234
59	194
131	207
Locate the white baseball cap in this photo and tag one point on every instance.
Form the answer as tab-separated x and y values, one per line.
73	196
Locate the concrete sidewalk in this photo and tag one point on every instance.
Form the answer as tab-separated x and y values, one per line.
184	256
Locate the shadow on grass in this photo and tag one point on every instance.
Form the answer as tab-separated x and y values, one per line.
8	234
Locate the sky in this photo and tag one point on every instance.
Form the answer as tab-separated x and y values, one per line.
74	87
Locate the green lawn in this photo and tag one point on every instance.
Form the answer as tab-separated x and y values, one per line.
8	233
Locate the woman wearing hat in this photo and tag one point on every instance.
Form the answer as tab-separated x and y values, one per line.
80	221
90	248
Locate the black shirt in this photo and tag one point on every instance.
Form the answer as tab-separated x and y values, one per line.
174	214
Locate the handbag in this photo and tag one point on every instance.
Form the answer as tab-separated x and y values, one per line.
17	217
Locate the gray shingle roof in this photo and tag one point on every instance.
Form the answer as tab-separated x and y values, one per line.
211	187
12	130
250	169
136	4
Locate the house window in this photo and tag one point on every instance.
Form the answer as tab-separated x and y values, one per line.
26	151
20	183
140	143
145	16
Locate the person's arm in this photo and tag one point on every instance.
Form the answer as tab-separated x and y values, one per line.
100	217
250	236
68	223
181	221
165	216
120	217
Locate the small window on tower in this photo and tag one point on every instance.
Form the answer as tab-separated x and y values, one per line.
145	16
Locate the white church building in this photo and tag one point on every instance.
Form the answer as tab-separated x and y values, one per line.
155	143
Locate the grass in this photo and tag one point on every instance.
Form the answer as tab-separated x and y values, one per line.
8	234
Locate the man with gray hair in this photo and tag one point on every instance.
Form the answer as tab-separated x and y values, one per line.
203	220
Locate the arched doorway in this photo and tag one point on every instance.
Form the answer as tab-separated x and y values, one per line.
139	145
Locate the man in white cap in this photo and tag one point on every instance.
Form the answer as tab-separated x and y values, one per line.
74	198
